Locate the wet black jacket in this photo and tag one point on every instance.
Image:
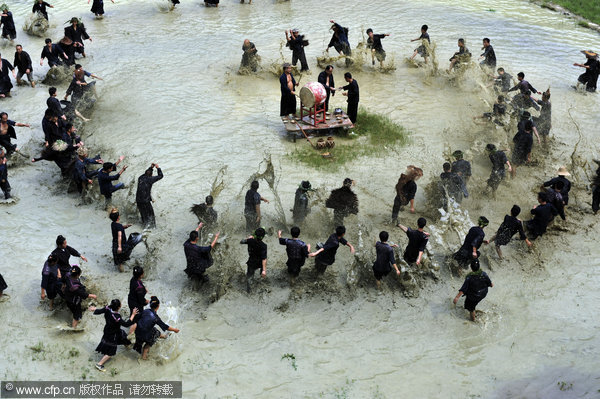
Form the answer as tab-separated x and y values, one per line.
145	186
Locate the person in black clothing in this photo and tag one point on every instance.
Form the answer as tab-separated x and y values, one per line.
451	186
374	43
325	255
51	280
74	293
249	59
145	333
98	7
489	55
542	216
470	248
475	288
592	69
5	83
326	79
595	186
105	178
63	253
8	25
198	258
339	40
81	176
136	299
143	196
296	42
562	177
121	245
462	168
257	255
498	159
523	86
509	227
503	81
52	52
461	55
252	207
24	66
297	252
522	150
343	201
422	50
288	95
301	208
525	116
3	286
205	212
77	33
53	104
498	111
544	121
40	6
353	96
417	241
406	189
7	132
4	184
385	258
113	335
555	198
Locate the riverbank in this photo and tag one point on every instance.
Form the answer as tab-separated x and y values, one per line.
585	12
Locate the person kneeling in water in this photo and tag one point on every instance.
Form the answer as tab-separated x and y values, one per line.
146	334
475	288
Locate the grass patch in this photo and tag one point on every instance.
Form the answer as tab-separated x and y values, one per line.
292	359
372	135
583	24
588	9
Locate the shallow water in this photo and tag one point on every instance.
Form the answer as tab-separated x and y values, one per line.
172	95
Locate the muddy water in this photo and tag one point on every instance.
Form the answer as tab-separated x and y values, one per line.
171	95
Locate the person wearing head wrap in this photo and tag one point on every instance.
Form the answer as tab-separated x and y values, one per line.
296	42
475	288
343	201
257	255
592	69
301	208
112	335
143	196
470	247
8	24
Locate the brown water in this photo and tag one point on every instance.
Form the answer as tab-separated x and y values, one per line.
172	95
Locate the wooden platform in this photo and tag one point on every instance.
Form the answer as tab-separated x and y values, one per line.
306	123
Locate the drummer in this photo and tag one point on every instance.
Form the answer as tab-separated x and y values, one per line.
326	79
288	93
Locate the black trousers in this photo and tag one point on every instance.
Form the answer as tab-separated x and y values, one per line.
288	105
353	111
5	187
147	213
300	56
596	199
398	204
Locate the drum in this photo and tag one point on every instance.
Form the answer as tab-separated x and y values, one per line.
313	93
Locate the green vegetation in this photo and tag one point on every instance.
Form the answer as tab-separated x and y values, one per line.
588	9
583	24
372	135
39	351
564	386
73	352
291	358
